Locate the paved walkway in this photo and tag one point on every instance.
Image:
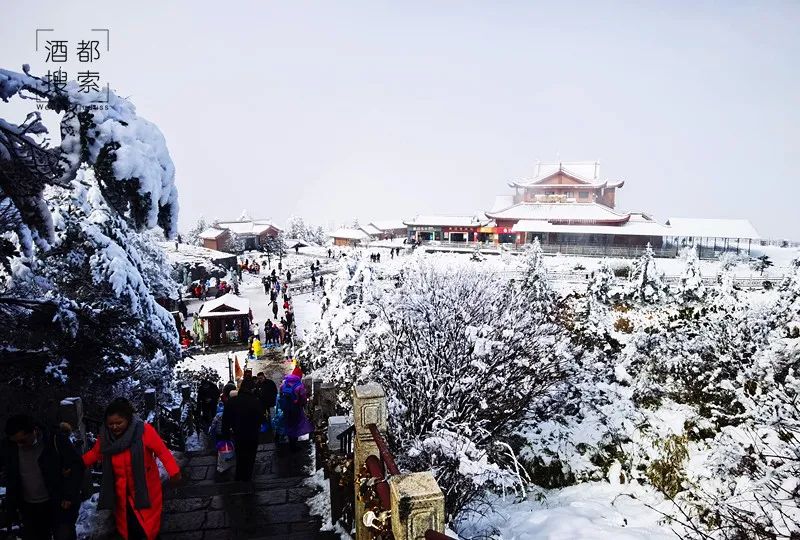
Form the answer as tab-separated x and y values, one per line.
273	505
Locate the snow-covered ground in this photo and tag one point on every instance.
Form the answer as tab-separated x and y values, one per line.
306	307
589	511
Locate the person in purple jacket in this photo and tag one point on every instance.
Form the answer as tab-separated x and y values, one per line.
290	418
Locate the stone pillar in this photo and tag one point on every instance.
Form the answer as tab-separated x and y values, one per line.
326	399
70	410
417	505
369	407
186	392
151	408
336	426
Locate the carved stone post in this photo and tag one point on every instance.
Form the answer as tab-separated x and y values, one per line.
417	505
369	407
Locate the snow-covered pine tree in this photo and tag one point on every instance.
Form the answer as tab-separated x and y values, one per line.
645	284
79	303
534	285
690	288
601	282
236	243
296	228
193	236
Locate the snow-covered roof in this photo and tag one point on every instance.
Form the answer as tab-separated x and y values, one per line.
188	254
371	230
713	228
255	227
225	306
211	233
388	225
501	202
291	243
447	221
349	234
587	170
632	228
584	171
559	212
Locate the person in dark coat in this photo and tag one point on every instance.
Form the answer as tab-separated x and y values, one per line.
226	391
267	392
207	398
182	308
275	310
288	276
44	473
268	331
242	420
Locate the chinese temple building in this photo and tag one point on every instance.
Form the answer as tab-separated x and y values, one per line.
568	203
571	209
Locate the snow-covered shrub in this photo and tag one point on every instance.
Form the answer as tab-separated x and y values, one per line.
645	284
601	282
667	471
462	355
193	235
728	260
623	324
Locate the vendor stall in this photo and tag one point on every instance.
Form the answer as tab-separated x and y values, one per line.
226	320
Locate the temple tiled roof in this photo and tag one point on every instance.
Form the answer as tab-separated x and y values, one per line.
559	212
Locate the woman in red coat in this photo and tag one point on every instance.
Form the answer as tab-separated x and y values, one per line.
127	448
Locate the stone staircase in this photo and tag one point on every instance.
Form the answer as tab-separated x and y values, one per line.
274	505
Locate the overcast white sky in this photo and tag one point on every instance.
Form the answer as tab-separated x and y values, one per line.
333	110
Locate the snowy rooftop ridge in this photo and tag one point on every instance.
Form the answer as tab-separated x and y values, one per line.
371	229
216	308
388	224
349	234
713	228
447	221
559	212
211	233
245	227
632	228
187	253
584	171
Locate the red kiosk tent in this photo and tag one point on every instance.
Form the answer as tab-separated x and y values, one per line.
226	319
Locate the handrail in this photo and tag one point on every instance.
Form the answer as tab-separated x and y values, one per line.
346	440
383	450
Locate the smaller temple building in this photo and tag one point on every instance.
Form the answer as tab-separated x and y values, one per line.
216	239
349	237
448	229
254	233
226	319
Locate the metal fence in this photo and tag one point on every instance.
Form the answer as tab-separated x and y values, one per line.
551	249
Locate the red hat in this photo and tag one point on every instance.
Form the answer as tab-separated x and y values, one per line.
297	372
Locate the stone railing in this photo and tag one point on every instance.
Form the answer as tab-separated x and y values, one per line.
404	506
